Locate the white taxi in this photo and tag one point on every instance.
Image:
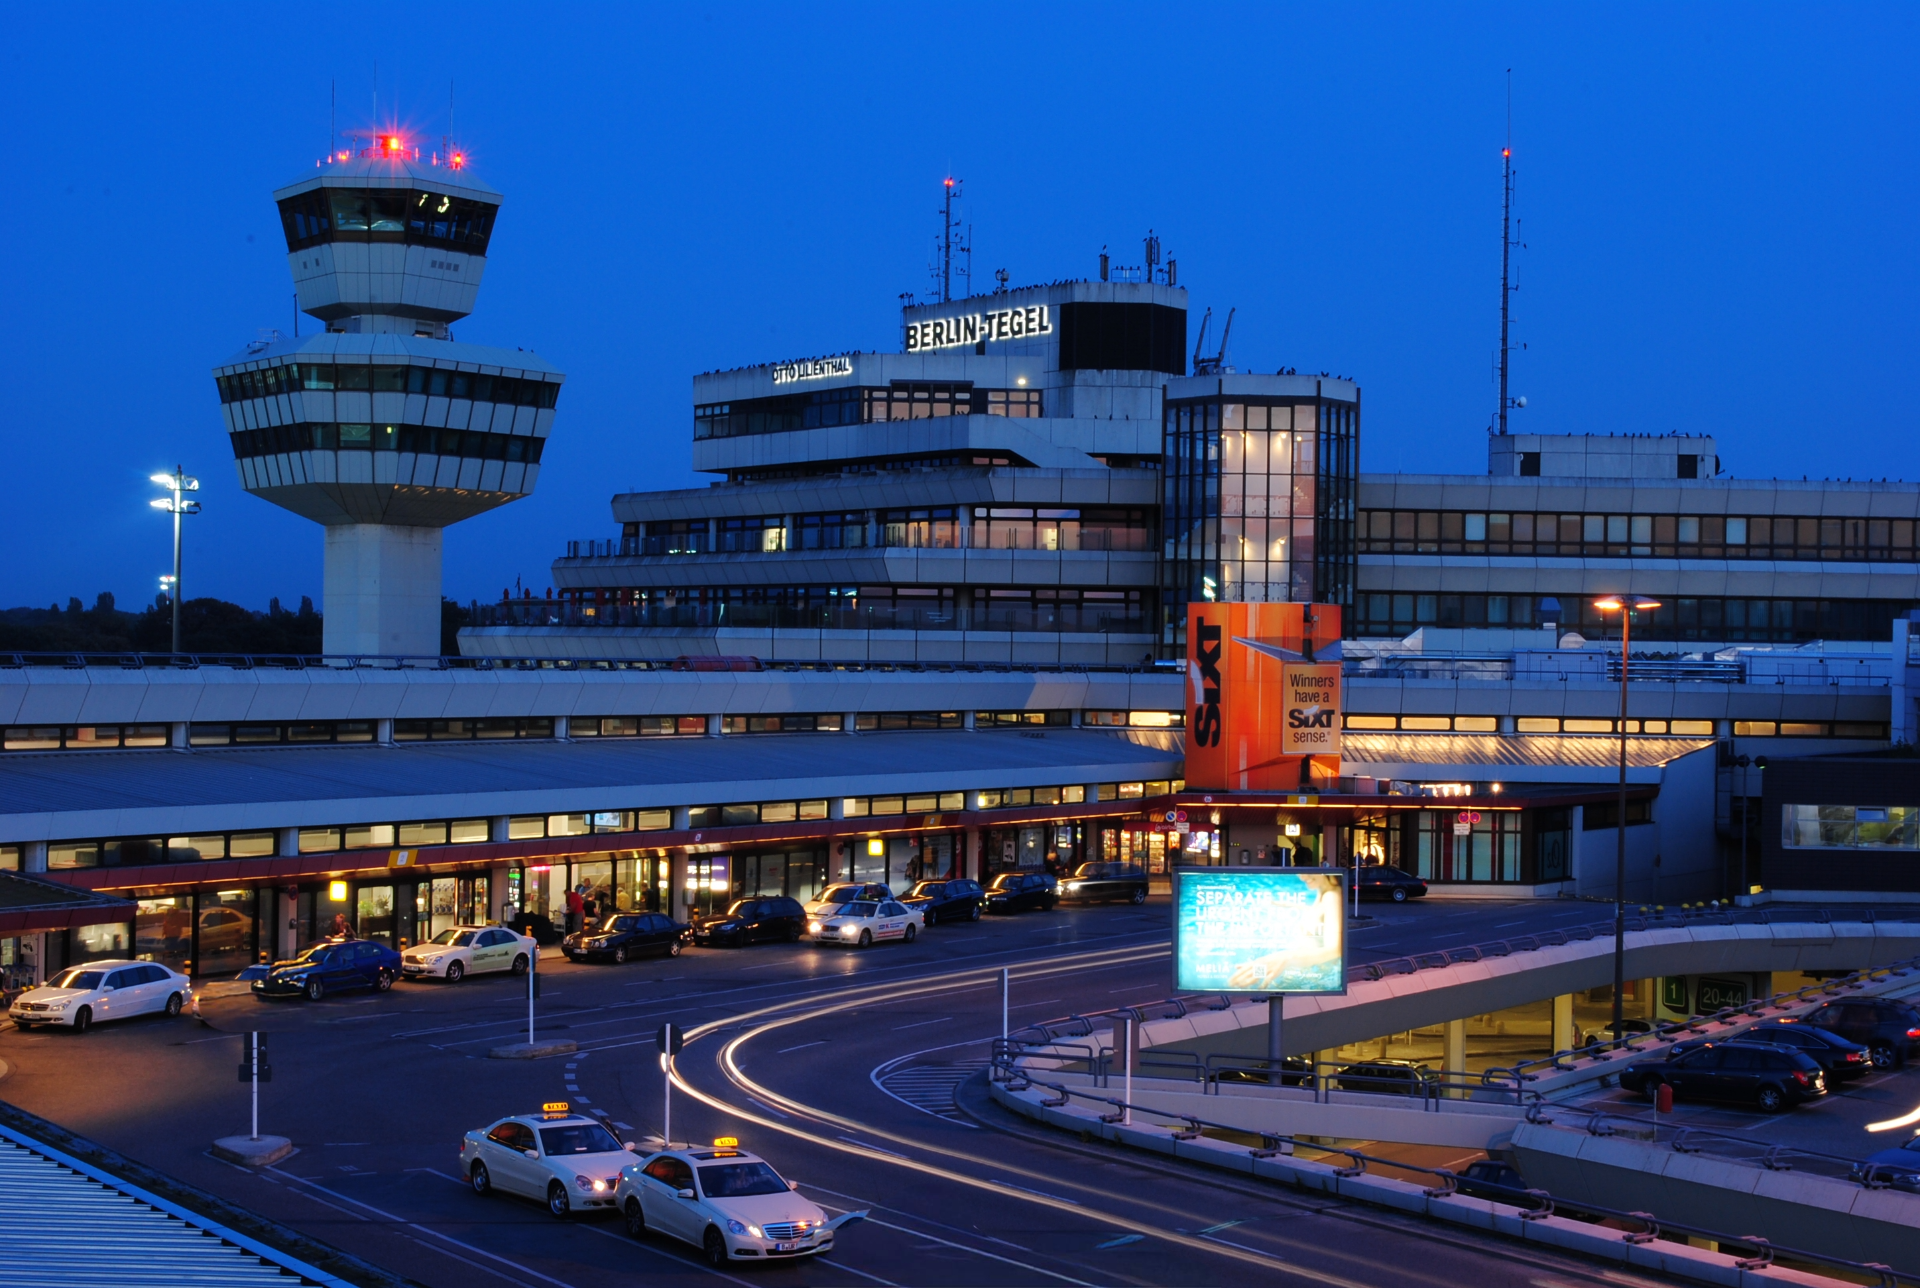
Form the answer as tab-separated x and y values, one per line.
459	951
570	1161
109	990
727	1203
865	922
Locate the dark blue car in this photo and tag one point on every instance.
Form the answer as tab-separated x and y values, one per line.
331	966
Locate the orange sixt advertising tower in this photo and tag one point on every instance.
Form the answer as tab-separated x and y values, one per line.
1263	715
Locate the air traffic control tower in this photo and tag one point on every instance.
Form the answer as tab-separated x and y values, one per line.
382	427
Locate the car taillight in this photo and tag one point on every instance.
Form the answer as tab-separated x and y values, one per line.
1800	1076
1914	1033
1856	1057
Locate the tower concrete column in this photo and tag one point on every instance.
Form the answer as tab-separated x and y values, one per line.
1455	1060
382	588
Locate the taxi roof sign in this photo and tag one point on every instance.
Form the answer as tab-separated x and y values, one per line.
726	1142
555	1107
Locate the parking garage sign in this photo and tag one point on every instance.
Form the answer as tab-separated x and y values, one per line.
1259	930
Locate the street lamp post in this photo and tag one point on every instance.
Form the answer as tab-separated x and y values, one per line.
178	484
1626	606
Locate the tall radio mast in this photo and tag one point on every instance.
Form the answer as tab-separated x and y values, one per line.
1507	243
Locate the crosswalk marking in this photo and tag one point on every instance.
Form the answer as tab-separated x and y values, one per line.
930	1088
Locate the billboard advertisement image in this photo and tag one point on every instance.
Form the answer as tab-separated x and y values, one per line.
1263	701
1259	930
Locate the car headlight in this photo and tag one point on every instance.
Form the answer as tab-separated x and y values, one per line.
588	1183
735	1227
754	1230
813	927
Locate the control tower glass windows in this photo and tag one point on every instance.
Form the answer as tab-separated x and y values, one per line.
422	440
413	217
439	382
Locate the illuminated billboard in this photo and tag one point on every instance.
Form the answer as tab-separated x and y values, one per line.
1263	697
1259	930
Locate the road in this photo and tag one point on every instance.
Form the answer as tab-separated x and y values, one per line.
854	1072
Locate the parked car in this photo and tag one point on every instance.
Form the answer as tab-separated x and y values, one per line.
106	990
460	951
864	921
1387	1077
1771	1078
1898	1167
1295	1071
1022	892
1838	1058
330	966
1887	1029
1093	882
952	900
846	892
752	921
1606	1033
627	934
1490	1178
1379	881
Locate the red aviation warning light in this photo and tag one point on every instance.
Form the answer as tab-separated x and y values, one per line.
391	142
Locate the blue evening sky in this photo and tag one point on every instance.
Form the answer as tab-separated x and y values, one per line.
1718	202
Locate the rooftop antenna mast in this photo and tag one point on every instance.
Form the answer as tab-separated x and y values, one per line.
949	244
1507	243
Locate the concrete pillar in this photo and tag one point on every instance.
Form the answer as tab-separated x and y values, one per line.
178	734
497	828
1455	1060
35	858
1330	855
1645	997
966	722
287	925
713	726
1902	703
561	727
849	721
383	732
677	885
288	842
683	820
1563	1034
382	590
970	864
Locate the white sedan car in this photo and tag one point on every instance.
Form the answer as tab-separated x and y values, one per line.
864	922
726	1202
570	1162
459	951
111	990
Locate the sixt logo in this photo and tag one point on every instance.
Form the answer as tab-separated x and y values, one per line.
1206	684
1310	718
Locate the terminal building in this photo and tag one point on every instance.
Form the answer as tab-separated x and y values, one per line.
928	620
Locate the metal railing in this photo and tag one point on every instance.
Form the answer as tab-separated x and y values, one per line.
429	662
1532	1204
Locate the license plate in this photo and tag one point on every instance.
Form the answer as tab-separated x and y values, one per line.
785	1245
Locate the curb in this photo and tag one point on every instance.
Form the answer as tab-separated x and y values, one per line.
1485	1215
532	1050
248	1152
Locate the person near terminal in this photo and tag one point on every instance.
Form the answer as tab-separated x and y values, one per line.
341	927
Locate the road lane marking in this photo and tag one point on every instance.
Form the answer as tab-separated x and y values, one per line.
1120	1242
1042	1193
851	1141
901	1028
803	1046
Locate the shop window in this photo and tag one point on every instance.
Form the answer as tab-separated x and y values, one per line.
163	931
97	943
371	836
252	845
526	827
1552	843
9	858
190	849
468	831
226	924
1850	827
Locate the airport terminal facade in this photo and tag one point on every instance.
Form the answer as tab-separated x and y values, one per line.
924	623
